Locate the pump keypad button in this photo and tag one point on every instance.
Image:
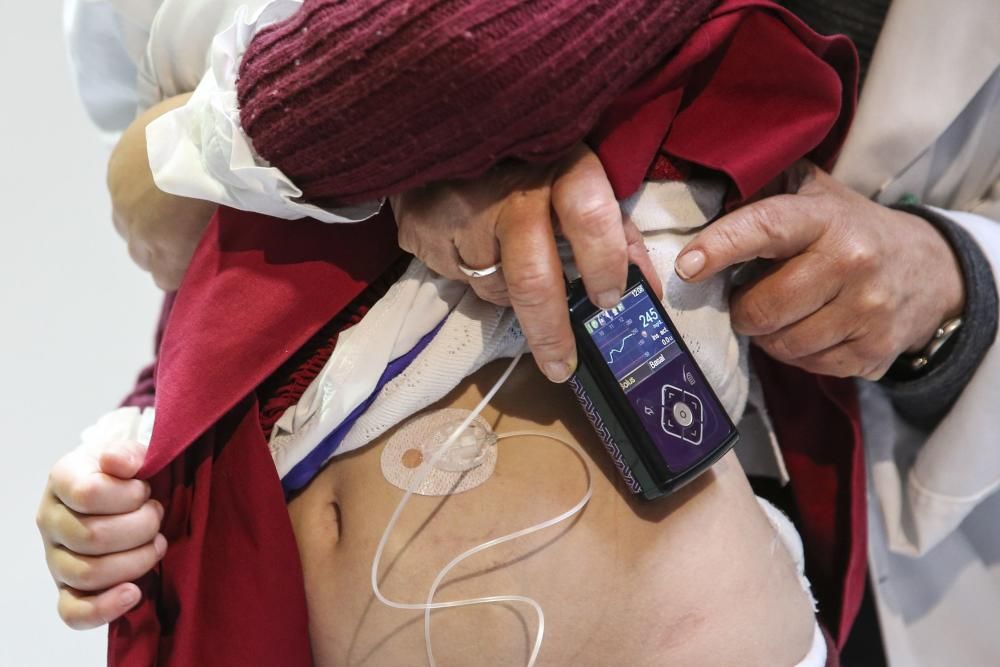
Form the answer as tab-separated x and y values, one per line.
682	414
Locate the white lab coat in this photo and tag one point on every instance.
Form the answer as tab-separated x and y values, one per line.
127	55
934	516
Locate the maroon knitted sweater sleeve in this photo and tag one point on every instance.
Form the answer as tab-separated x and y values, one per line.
355	99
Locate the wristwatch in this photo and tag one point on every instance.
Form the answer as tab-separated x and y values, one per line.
914	363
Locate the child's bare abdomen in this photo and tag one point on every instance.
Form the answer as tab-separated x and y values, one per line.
698	578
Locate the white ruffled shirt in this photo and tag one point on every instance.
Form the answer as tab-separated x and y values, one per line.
128	55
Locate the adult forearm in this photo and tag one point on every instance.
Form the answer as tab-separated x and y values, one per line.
128	162
161	229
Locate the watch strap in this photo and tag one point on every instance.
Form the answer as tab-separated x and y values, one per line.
923	398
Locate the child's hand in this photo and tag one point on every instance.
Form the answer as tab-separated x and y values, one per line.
100	531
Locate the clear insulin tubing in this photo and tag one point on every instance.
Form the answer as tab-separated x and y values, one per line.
419	478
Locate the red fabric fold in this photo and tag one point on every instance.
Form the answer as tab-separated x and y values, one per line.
230	590
751	87
256	290
143	394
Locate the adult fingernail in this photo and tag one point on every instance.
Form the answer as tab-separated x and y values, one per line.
690	264
160	545
128	597
609	299
557	371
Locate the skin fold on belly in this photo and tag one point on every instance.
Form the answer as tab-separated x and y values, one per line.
696	578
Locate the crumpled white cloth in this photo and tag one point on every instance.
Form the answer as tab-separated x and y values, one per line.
128	423
201	151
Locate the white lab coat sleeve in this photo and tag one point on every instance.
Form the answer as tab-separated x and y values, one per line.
200	149
926	484
126	55
103	46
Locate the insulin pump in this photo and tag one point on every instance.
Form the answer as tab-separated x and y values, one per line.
643	392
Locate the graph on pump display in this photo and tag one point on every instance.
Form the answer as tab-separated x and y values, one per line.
620	350
630	334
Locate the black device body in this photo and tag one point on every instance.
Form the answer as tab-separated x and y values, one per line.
643	391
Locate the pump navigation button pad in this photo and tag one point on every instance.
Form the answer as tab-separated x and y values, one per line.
682	414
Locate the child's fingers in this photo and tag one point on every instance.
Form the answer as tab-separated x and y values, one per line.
96	573
97	535
81	611
123	459
90	491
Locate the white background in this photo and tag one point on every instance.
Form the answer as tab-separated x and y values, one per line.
76	318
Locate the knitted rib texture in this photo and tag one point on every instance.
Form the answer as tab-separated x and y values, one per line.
355	99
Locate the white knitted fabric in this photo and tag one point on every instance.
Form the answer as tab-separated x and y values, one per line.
412	307
669	214
476	333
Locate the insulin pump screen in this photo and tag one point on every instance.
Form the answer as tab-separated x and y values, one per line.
672	401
